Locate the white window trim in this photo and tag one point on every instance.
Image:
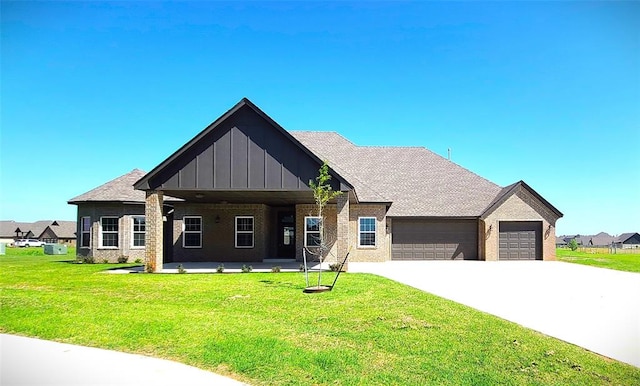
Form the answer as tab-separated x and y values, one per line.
184	232
252	232
82	232
375	231
133	231
306	232
117	233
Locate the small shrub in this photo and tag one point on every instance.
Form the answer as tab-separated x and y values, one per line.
246	269
276	269
138	261
220	268
123	259
148	268
573	244
88	260
335	267
104	261
301	269
181	269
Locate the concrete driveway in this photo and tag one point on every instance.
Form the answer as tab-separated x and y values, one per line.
595	308
27	361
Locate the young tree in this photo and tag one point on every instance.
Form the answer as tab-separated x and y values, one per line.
573	244
322	194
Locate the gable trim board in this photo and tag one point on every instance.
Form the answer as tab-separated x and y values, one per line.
418	205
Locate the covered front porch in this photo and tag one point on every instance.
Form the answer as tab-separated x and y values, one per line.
209	230
244	188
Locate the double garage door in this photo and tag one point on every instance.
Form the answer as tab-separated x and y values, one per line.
434	240
520	240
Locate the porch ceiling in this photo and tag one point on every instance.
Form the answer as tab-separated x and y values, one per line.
245	196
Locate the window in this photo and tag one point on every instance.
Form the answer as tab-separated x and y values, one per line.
192	232
85	232
244	231
138	229
366	231
312	231
109	232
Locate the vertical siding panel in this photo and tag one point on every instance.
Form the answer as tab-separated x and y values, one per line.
222	161
272	166
239	159
205	169
188	175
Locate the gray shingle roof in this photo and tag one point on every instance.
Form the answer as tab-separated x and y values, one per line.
63	229
417	181
625	236
118	189
8	227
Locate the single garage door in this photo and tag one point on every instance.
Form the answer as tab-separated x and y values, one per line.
520	240
434	240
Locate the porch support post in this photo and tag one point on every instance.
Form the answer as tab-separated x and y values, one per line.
342	226
153	235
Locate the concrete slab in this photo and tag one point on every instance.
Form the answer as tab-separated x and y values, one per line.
595	308
28	361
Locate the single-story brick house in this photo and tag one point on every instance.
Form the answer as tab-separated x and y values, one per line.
628	240
239	191
48	231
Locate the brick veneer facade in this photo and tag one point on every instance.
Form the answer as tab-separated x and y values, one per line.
125	213
153	237
218	232
521	206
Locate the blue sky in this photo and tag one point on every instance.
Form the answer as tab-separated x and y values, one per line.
545	92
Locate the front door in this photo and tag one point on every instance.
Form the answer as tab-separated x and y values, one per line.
286	235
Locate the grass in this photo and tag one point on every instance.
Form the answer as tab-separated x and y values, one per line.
621	262
261	329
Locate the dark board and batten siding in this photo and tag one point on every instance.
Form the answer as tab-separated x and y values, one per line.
243	153
434	239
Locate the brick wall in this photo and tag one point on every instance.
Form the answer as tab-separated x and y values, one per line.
124	213
218	232
521	206
382	251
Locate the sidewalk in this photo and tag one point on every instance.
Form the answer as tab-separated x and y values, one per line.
28	361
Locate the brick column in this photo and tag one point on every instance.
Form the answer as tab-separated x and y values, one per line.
153	235
342	226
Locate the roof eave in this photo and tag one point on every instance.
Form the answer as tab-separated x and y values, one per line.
510	191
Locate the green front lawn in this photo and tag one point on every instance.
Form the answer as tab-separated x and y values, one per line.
619	261
260	328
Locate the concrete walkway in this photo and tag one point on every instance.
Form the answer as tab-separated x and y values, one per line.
28	361
212	267
595	308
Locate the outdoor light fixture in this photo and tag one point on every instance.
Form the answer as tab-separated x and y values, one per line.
217	219
486	237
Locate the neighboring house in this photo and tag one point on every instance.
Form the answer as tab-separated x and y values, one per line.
561	242
628	240
239	191
60	232
48	231
602	239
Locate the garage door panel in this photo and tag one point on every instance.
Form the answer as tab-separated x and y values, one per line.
520	240
434	240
